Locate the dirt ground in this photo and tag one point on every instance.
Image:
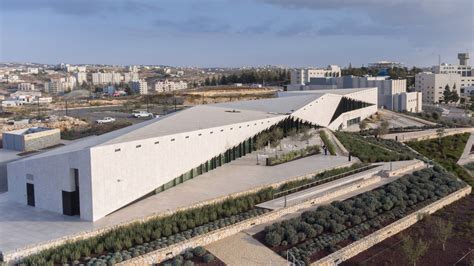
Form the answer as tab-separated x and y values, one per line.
460	213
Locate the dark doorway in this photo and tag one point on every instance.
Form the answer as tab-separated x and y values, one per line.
30	194
71	201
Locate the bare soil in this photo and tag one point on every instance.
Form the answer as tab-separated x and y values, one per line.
460	213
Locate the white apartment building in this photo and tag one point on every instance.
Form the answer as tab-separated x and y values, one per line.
32	70
60	85
133	69
385	64
70	68
140	86
106	78
167	86
303	76
26	86
432	85
81	77
130	76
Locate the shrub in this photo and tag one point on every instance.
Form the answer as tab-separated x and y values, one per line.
208	258
273	239
199	251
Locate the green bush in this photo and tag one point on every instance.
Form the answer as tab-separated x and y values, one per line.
208	258
199	251
273	239
293	155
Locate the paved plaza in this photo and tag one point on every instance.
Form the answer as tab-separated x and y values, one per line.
21	225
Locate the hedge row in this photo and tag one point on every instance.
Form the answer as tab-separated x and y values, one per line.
328	225
188	258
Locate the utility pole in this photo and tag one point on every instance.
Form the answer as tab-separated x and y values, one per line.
66	107
38	105
147	102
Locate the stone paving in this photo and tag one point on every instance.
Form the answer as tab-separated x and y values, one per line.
21	225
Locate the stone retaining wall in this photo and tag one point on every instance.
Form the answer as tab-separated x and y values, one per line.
17	255
390	230
205	239
411	167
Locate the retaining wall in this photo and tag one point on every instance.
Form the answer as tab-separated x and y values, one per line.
390	230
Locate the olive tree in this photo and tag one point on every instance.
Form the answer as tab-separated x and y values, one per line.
445	231
413	250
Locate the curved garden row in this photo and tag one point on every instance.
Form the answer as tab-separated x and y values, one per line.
320	232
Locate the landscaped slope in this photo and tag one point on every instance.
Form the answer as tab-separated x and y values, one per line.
445	151
317	233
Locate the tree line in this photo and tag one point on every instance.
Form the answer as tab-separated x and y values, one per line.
270	76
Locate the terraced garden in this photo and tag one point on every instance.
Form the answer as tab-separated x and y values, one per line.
319	232
194	256
136	239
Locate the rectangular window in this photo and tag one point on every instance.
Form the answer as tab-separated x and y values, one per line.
138	146
117	150
172	139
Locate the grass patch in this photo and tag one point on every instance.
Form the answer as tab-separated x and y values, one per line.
445	151
325	138
93	130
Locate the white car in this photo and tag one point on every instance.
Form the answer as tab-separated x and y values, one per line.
106	120
142	114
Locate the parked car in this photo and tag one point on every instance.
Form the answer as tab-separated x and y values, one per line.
106	120
142	114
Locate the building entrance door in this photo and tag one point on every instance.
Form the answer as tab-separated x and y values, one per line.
30	194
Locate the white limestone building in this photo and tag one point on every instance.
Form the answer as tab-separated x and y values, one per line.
106	78
432	85
388	90
98	175
140	86
26	86
167	86
81	77
303	76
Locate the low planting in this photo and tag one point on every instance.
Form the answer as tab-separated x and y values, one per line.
194	256
139	238
469	166
325	138
446	151
293	155
315	233
370	150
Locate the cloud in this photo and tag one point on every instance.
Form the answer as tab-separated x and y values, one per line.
422	22
198	24
81	7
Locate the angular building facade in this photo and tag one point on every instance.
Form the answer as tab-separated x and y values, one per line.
99	175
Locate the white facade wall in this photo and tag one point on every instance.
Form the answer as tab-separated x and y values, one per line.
146	168
408	101
432	85
106	78
50	178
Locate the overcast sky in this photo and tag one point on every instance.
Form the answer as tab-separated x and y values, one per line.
236	32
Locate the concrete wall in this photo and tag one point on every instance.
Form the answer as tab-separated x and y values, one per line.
390	230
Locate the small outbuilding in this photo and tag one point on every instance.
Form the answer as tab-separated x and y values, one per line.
31	139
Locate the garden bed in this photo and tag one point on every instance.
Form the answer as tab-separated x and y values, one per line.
198	256
133	240
390	252
320	232
325	138
293	155
445	151
369	149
